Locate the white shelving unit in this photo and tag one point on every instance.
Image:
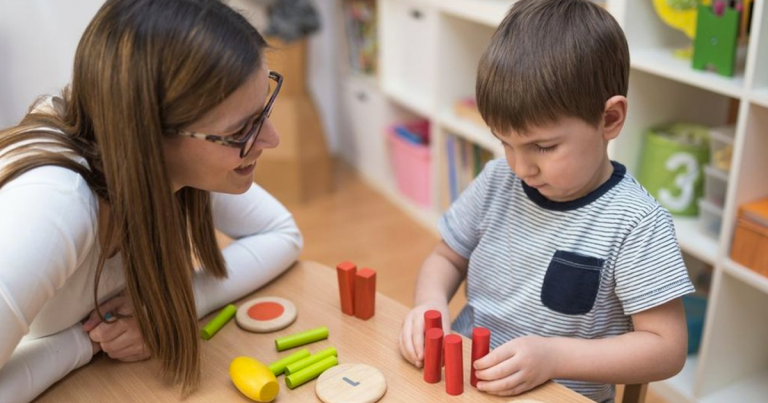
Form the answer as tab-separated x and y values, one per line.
429	51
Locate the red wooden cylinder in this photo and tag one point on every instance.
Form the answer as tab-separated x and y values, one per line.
481	345
433	354
454	365
432	318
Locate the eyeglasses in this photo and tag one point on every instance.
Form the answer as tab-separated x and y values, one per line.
246	138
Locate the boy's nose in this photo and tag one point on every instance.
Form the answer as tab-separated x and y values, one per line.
525	169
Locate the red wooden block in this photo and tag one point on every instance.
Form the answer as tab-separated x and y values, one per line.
345	271
433	319
433	355
454	365
365	293
481	344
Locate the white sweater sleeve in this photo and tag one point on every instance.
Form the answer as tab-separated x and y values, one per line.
267	242
46	226
37	364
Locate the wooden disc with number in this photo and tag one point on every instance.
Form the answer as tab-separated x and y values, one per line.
351	383
266	314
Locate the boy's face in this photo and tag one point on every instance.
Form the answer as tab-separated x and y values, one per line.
563	161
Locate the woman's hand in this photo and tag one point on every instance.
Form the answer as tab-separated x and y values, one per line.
411	338
516	366
121	339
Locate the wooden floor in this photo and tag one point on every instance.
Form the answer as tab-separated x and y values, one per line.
356	223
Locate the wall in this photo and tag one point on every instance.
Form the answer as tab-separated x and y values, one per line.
38	39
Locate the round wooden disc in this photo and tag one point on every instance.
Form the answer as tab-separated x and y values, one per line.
266	314
351	383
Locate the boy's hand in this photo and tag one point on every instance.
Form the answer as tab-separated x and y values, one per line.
120	339
411	339
516	366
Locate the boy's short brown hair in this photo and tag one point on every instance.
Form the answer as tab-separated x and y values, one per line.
551	59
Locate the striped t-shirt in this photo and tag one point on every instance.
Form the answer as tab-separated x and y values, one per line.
571	269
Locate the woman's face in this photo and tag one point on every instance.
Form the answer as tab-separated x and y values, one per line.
206	165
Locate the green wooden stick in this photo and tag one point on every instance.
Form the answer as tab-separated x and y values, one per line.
311	372
218	322
278	367
305	362
301	339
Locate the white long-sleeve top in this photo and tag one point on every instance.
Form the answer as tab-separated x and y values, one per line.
48	255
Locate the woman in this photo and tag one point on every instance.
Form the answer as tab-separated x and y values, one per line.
108	192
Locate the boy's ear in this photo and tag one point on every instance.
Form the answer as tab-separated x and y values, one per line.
614	116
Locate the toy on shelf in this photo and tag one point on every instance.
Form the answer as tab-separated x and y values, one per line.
680	15
716	40
345	383
218	322
253	379
266	314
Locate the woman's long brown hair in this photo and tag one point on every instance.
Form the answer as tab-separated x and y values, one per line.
144	68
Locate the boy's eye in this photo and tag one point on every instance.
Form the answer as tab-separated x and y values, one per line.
545	149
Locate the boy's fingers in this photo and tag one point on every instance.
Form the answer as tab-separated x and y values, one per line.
506	384
410	354
495	357
418	338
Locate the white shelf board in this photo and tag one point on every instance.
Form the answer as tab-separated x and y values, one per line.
408	98
760	96
424	216
486	12
746	275
470	131
694	241
679	388
663	63
750	390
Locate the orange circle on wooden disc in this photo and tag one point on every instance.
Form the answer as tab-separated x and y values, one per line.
266	311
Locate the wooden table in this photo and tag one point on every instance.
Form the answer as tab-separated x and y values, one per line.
313	288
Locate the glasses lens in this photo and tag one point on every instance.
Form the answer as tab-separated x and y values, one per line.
253	136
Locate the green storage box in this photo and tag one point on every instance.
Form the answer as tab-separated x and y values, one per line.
672	166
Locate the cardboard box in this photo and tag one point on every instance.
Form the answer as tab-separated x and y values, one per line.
300	168
750	240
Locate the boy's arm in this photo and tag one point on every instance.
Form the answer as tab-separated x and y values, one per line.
440	276
656	350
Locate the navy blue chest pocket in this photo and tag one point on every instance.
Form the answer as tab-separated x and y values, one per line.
571	283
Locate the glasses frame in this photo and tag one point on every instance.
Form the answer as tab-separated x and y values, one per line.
257	120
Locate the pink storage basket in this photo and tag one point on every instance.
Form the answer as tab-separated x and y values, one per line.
411	163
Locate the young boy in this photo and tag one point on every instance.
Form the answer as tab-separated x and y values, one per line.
569	262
